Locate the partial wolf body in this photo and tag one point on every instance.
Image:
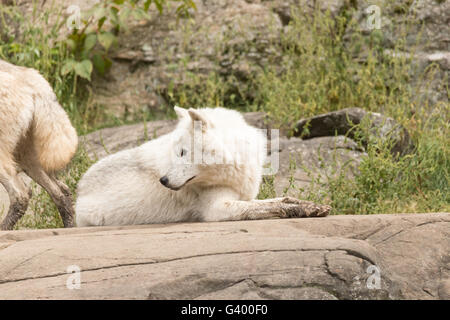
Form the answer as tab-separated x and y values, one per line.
208	169
36	136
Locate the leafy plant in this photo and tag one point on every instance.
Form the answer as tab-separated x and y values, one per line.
99	31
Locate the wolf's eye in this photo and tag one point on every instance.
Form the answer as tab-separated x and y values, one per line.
183	152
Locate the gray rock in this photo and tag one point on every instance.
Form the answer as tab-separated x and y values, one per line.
424	20
306	164
417	29
338	257
341	122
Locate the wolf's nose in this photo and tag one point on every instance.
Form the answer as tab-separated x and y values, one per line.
164	181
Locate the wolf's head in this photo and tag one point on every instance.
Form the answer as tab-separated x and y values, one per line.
213	147
189	142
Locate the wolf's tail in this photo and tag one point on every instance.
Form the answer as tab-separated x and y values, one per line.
54	138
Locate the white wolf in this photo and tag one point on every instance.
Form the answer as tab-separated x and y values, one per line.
36	137
208	169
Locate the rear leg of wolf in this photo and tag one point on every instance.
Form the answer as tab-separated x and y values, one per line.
20	194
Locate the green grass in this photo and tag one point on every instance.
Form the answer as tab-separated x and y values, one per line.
323	77
320	72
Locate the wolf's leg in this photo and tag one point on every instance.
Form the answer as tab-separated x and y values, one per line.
19	195
278	208
58	191
287	207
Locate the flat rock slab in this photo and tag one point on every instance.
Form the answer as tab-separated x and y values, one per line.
339	257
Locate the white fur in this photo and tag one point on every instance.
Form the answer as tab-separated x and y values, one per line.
124	188
36	136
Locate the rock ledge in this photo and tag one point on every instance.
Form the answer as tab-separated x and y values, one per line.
337	257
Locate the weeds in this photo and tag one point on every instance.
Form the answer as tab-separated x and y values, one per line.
323	76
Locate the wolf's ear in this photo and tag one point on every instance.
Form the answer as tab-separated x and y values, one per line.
181	113
198	116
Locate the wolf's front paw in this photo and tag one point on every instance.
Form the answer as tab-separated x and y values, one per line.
319	210
294	208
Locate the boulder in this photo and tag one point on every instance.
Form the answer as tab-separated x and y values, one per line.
306	164
342	122
403	256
